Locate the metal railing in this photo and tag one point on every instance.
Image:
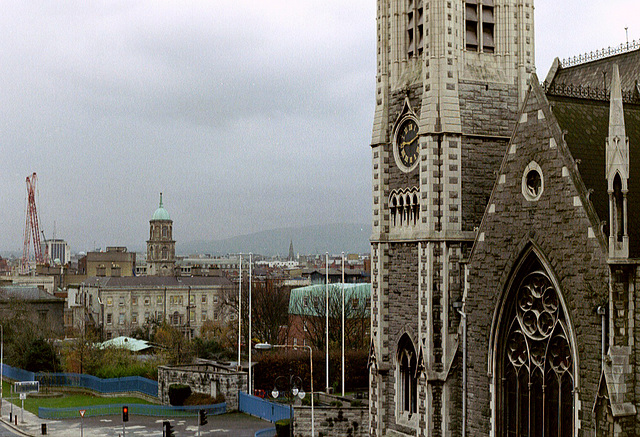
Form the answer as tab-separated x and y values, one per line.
111	385
600	54
134	409
127	384
262	408
585	92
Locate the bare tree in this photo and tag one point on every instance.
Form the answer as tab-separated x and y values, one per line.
270	304
309	305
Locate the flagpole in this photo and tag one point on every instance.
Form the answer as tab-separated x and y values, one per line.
250	324
342	324
240	313
326	289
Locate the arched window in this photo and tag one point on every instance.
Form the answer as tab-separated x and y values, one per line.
407	379
164	231
165	253
618	205
416	209
401	209
394	209
537	365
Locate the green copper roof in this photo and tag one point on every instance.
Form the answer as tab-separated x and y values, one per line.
161	213
310	300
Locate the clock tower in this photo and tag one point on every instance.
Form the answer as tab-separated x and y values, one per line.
451	75
161	247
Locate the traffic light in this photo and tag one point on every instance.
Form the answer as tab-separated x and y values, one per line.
168	429
203	417
125	414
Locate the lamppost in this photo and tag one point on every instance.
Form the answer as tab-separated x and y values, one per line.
292	392
267	346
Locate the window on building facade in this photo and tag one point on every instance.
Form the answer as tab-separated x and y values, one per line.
192	300
172	300
203	315
404	208
407	378
204	298
121	301
109	301
164	231
134	300
165	253
480	26
146	316
159	300
109	318
134	318
147	300
415	27
121	319
537	390
192	315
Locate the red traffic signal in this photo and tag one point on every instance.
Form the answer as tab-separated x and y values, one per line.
125	414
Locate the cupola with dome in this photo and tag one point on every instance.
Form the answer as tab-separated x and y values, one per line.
161	253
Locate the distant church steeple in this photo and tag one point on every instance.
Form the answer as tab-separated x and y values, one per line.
617	172
291	255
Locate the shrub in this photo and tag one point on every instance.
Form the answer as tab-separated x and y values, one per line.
178	393
203	399
282	428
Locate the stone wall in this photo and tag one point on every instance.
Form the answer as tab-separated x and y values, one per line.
332	421
559	228
209	379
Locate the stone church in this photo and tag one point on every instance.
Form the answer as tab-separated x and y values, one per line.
504	248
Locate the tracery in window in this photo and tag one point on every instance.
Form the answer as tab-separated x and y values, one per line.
537	362
404	207
407	378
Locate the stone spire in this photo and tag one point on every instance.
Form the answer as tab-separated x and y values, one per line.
617	172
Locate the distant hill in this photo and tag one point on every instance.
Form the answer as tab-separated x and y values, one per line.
333	238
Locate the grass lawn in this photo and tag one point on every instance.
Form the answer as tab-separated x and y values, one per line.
67	400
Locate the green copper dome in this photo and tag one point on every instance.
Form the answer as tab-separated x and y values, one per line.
161	213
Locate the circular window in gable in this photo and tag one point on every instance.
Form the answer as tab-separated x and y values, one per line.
532	182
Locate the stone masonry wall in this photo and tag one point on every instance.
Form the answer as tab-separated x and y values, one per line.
332	421
561	229
211	380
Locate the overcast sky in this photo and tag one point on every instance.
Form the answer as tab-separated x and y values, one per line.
247	114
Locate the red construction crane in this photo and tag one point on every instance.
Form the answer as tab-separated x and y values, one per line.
32	226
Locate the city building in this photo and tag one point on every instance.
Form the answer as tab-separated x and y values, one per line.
58	251
115	261
504	248
118	306
41	308
161	247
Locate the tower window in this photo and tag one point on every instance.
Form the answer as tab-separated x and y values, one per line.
415	27
407	378
480	26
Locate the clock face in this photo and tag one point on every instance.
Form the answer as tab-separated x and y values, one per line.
407	143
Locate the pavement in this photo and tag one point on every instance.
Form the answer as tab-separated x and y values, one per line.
30	425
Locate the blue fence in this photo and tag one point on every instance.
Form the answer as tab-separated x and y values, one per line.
111	385
77	380
134	409
267	432
263	409
17	374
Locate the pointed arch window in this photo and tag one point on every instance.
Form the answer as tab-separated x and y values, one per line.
537	365
618	208
407	378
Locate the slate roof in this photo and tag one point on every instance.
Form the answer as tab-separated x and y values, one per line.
590	74
26	293
586	123
160	281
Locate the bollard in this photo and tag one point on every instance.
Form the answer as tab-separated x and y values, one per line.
44	429
16	419
10	416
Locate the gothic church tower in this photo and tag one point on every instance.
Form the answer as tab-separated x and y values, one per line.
451	75
161	247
